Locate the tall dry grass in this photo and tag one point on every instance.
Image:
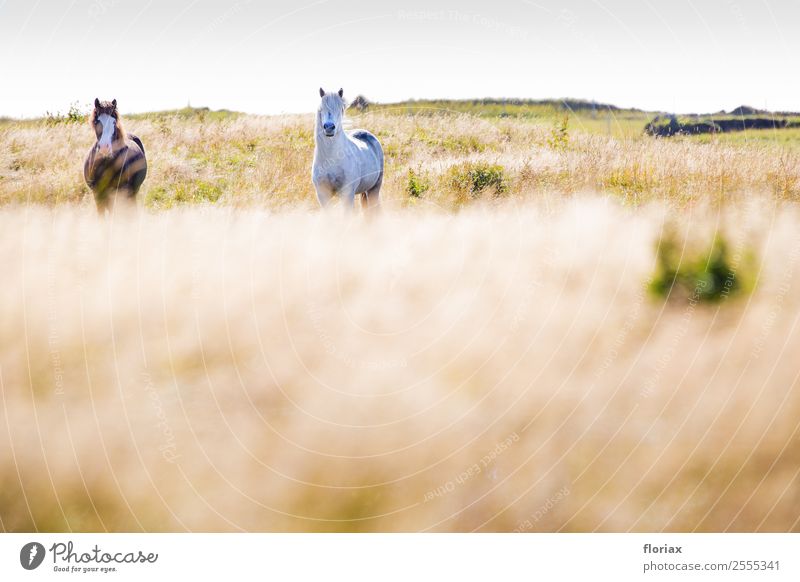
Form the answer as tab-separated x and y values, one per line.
249	161
502	368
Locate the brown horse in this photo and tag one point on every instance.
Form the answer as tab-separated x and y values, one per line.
116	164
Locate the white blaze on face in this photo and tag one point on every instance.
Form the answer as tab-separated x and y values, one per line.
106	138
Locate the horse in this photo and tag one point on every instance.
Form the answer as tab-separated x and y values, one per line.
346	163
116	164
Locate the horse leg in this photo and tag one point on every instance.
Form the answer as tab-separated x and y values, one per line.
323	196
348	199
128	199
101	201
111	201
371	203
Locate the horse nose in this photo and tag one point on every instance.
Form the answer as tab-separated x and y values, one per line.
329	127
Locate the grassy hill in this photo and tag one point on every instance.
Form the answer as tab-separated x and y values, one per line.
600	118
606	119
743	124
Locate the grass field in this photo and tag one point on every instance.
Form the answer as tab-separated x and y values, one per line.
498	351
223	158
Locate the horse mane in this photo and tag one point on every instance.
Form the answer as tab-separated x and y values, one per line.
334	96
123	135
109	108
345	104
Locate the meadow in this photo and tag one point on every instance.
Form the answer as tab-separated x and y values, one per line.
443	153
557	324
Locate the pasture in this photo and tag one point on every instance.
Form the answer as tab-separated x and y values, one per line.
241	161
496	351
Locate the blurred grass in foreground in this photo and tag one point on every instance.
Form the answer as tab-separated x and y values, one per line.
215	369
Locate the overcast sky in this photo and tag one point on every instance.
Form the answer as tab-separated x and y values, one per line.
270	57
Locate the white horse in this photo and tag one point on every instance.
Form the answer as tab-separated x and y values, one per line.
346	163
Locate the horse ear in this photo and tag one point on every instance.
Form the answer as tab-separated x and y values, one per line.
114	103
97	103
321	92
341	92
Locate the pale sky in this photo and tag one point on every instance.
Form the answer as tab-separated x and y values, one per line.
271	57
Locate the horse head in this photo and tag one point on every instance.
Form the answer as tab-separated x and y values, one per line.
107	126
330	112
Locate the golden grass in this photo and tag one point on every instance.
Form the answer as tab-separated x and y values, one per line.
498	369
248	161
230	358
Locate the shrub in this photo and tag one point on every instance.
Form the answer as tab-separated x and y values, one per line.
74	115
707	276
559	134
418	183
474	178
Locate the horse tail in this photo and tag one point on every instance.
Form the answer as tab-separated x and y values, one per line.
137	141
373	144
370	140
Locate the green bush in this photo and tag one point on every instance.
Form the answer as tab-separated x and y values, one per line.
708	276
474	178
418	183
559	134
74	115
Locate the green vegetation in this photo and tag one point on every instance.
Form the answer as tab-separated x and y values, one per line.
587	116
196	192
418	182
460	144
75	114
630	181
515	108
559	135
200	114
788	138
710	275
474	178
447	156
720	123
596	118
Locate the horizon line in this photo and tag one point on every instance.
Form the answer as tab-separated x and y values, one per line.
498	100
